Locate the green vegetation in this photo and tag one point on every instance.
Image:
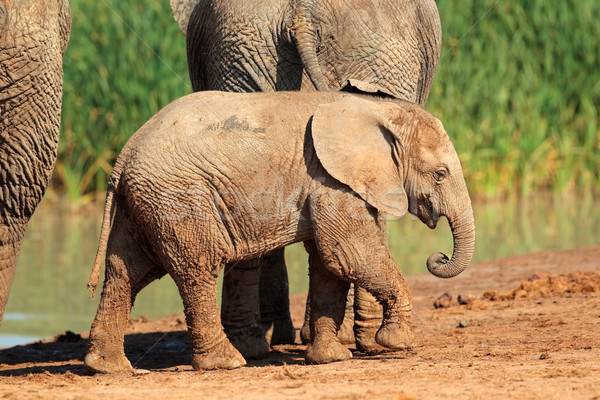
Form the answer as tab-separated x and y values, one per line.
125	61
518	90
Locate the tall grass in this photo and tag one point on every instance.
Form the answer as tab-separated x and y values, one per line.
125	61
518	89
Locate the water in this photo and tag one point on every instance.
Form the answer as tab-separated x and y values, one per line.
49	294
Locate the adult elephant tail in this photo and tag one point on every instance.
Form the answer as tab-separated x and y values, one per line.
306	42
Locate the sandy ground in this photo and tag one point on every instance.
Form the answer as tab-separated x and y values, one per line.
529	329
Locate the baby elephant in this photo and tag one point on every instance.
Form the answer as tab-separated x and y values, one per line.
215	178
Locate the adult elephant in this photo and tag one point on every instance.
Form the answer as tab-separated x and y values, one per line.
33	39
387	46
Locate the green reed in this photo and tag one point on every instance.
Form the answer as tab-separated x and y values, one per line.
518	90
125	61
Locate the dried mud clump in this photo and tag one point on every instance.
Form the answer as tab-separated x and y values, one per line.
542	284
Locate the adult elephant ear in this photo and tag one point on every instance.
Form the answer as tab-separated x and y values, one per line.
355	147
182	9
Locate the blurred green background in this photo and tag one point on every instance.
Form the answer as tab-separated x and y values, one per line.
517	89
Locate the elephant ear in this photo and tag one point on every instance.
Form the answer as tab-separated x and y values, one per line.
355	147
182	9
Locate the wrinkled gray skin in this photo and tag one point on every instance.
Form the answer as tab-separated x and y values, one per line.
242	46
33	39
215	178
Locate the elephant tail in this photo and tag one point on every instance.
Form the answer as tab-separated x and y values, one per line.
109	208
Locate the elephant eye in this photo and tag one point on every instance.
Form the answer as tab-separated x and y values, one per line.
441	174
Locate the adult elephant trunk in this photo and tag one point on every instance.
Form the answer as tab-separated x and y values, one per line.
462	225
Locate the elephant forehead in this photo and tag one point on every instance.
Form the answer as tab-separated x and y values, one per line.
438	151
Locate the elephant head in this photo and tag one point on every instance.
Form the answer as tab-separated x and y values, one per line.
33	39
398	158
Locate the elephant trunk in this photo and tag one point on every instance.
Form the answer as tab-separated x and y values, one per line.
462	225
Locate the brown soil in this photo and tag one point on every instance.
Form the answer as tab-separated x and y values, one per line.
526	327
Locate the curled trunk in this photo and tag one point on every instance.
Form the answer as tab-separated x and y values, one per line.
463	232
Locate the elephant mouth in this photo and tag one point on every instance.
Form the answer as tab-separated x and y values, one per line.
432	223
427	213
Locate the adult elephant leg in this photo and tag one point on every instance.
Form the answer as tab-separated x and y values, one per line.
346	332
240	308
327	298
128	270
275	299
367	319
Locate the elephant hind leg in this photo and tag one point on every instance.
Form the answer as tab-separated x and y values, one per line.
128	270
210	347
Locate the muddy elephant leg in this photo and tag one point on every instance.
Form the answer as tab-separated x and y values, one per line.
240	308
275	299
367	320
128	270
389	288
327	299
210	347
358	253
346	333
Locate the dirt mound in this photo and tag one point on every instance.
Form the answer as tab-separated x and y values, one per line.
539	284
542	284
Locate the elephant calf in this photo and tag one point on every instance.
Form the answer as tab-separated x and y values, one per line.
215	178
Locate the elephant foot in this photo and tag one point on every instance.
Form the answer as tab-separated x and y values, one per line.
346	333
365	342
364	333
250	343
97	362
321	352
221	356
396	336
305	333
282	332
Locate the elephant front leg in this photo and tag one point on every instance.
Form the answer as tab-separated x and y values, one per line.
327	307
358	253
389	288
240	308
210	347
